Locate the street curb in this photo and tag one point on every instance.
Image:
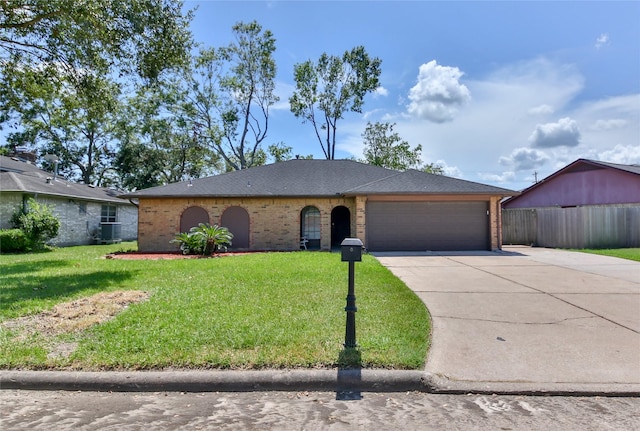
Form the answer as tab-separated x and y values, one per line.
295	380
443	385
219	381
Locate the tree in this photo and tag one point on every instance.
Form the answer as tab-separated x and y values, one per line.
158	142
230	92
71	117
384	147
433	168
58	62
333	86
143	37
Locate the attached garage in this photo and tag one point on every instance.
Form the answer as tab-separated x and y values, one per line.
420	226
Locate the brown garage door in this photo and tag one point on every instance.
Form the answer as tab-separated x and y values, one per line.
419	226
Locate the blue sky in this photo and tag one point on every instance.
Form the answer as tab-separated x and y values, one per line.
493	91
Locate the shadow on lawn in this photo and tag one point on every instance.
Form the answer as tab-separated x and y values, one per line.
349	374
29	287
31	267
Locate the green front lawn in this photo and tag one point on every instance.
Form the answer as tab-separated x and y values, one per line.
262	310
624	253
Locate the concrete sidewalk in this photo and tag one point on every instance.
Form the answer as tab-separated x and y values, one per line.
528	317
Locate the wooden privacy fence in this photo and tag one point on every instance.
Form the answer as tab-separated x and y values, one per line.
576	227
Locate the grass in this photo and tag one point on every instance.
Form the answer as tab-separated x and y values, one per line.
624	253
263	310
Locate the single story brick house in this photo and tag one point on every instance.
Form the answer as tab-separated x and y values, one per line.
317	203
87	214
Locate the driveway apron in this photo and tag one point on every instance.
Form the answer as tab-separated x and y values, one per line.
528	315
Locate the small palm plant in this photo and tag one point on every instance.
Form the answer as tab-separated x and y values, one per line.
204	239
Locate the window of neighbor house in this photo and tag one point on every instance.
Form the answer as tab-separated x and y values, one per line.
82	208
108	214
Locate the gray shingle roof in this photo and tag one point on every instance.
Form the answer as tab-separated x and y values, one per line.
318	178
23	177
634	169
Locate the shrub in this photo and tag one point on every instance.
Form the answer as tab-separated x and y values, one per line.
204	239
38	223
13	240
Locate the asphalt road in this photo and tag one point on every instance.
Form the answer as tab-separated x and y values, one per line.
58	410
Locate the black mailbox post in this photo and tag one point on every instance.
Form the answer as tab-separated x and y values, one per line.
351	252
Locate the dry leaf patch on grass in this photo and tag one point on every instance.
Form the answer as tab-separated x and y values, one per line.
75	315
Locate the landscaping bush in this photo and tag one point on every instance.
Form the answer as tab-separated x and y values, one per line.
38	223
204	239
13	241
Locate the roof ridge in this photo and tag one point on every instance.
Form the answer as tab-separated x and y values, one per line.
395	174
619	166
15	176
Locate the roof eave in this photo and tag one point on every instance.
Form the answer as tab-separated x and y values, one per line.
503	194
67	196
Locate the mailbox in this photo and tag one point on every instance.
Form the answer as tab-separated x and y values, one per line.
351	250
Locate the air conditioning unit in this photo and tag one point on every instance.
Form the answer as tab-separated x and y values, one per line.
110	232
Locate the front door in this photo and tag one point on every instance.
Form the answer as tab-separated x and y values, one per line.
340	225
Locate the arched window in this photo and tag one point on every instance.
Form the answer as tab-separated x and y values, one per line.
310	226
236	219
193	216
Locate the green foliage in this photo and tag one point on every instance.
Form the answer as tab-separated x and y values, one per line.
334	85
158	144
623	253
38	223
13	241
58	63
433	168
280	152
73	118
204	239
143	37
384	147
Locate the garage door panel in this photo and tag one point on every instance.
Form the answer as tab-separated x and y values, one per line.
410	226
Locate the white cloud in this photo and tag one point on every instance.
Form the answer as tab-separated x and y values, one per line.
380	92
563	133
602	40
505	177
450	171
543	109
438	94
524	158
615	123
507	106
623	154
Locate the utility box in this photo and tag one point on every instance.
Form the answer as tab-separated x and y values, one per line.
351	250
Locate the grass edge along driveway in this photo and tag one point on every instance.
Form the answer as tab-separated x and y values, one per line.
252	311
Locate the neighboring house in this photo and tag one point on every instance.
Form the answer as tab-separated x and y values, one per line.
588	203
87	214
317	203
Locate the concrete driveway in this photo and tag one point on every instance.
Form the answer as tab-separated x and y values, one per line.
528	315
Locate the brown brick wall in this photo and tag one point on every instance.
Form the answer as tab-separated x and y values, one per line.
274	224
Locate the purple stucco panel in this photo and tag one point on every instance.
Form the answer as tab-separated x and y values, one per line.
597	186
